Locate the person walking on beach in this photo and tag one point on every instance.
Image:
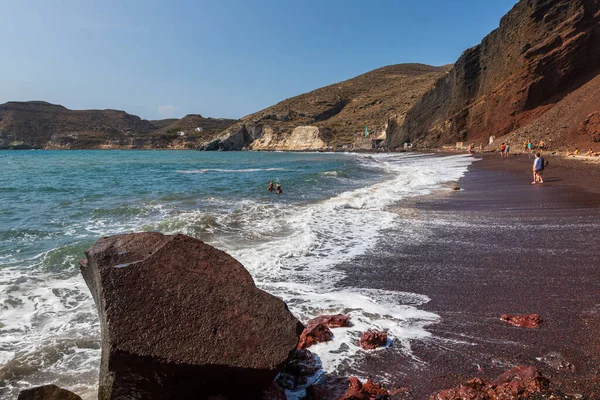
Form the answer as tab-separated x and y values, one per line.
507	151
503	149
538	169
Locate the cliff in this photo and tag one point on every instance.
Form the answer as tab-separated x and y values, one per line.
41	125
332	114
543	51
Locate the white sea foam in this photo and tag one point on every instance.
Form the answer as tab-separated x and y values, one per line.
247	170
300	267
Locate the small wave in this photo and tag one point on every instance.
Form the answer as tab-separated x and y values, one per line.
248	170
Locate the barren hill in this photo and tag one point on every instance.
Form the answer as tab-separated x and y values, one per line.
543	51
333	114
38	125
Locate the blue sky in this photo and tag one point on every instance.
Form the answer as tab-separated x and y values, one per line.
223	58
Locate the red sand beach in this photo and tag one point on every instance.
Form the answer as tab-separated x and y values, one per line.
500	245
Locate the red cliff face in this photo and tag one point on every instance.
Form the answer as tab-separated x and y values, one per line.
542	51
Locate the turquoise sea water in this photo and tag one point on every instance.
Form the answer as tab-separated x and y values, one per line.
335	207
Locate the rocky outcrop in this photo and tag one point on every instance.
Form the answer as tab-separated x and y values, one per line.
299	370
313	334
40	125
371	340
532	321
47	392
346	389
367	391
543	50
302	138
181	319
332	321
333	115
518	383
317	329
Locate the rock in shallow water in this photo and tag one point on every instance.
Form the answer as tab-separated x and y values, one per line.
47	392
371	340
181	319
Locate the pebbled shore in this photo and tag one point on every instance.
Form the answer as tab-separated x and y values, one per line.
498	246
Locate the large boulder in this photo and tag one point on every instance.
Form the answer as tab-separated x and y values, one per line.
47	392
181	319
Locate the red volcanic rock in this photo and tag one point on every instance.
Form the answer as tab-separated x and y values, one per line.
358	391
518	383
521	381
315	333
47	392
317	329
181	319
524	321
373	339
542	51
332	321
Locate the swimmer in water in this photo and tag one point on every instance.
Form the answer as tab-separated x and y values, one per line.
270	188
279	191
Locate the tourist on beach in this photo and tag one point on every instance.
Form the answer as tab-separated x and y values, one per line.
503	149
507	151
270	188
529	145
279	191
542	145
538	169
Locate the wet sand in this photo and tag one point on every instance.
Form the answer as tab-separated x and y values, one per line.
500	245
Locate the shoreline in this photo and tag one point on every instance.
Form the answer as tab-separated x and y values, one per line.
500	245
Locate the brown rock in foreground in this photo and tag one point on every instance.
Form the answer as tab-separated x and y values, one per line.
368	390
518	383
332	321
181	319
346	389
299	370
532	321
313	334
371	340
317	329
47	392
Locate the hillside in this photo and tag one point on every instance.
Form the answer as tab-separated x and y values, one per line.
543	51
333	114
41	125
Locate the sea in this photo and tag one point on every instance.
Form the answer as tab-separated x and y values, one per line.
335	207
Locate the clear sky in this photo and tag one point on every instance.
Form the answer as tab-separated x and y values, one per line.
220	58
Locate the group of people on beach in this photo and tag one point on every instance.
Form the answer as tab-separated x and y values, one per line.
276	189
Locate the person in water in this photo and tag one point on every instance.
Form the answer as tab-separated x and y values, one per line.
270	188
279	191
